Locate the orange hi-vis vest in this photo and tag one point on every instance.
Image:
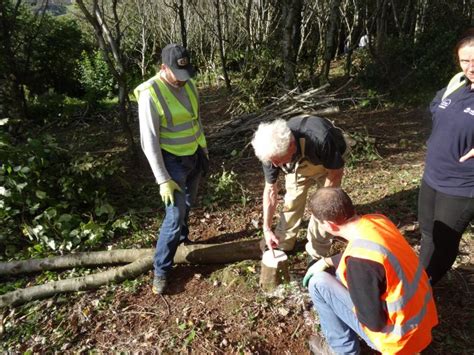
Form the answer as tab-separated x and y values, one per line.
408	297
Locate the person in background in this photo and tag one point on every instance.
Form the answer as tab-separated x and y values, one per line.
446	198
173	141
380	291
364	41
308	150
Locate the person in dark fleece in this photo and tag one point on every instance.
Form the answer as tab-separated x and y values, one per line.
446	198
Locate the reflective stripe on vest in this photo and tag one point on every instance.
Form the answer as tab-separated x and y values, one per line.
410	288
456	82
170	127
410	305
163	104
410	324
180	129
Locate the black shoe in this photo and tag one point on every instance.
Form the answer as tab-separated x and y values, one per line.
159	285
319	346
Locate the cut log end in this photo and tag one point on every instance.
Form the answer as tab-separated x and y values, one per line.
274	269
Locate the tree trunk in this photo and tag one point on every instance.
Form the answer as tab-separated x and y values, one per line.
274	269
291	17
248	30
381	25
123	117
221	46
11	100
13	103
182	22
330	40
113	56
85	259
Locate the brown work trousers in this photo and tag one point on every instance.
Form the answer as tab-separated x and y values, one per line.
297	186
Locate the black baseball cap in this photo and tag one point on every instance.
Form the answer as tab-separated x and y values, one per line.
176	57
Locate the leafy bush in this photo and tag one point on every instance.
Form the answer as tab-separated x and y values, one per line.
412	69
50	200
95	76
58	44
363	149
261	77
224	188
54	106
44	50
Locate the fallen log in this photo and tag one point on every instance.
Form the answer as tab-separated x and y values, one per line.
222	253
85	259
321	112
119	274
191	254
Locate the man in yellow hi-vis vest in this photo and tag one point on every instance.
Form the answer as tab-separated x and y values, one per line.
173	141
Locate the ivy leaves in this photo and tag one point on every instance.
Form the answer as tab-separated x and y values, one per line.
56	201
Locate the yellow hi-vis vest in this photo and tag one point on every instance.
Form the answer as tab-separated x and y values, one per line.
456	82
181	132
408	296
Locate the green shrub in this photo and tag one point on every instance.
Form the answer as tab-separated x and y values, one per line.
51	200
224	188
95	76
53	106
412	65
261	75
412	70
44	49
363	149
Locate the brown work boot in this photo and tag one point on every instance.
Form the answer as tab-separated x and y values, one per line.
318	345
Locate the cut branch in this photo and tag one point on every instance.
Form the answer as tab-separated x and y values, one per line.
314	101
142	262
119	274
186	254
86	259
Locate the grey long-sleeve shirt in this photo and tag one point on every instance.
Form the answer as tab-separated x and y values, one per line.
150	136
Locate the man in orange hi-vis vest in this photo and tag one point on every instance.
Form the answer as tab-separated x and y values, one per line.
380	291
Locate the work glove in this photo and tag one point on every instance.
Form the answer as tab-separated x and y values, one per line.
167	190
318	266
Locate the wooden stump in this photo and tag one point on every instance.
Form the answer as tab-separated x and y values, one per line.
274	269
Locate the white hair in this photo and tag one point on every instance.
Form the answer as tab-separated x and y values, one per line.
271	140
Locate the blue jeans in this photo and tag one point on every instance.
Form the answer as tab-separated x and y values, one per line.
186	172
334	306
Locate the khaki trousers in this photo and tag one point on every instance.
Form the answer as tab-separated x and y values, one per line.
297	186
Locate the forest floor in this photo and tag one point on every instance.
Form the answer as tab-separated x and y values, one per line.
220	308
